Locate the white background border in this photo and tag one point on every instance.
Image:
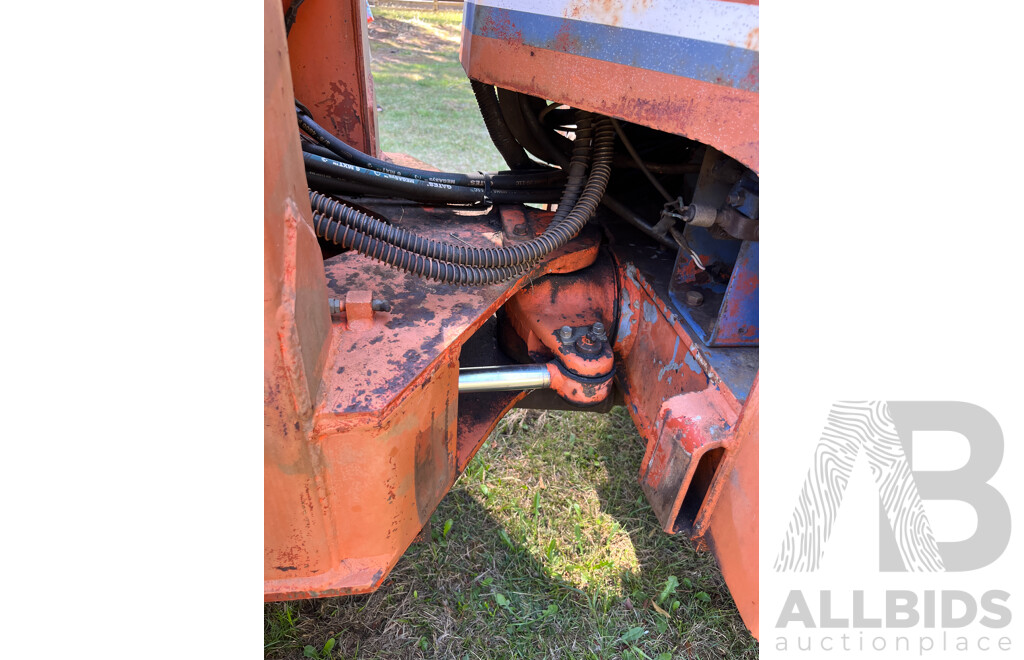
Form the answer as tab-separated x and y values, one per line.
131	267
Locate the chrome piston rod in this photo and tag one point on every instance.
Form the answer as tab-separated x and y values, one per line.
504	379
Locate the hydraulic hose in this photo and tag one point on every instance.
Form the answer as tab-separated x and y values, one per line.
553	144
567	223
542	178
501	136
318	150
335	186
420	190
347	237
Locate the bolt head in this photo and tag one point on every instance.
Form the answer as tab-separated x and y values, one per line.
519	230
565	334
694	298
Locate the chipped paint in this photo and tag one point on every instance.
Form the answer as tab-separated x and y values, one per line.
650	312
625	317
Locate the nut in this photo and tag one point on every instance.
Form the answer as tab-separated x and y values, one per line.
565	334
694	298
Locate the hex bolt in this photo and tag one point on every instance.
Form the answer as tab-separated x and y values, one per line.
597	331
737	198
694	298
379	305
519	230
565	334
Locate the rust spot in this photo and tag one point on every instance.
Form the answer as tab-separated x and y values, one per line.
343	110
608	12
500	26
752	39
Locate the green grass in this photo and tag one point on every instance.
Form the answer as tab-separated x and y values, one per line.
427	108
546	546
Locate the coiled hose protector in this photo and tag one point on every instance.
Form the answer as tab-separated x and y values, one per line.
347	237
568	221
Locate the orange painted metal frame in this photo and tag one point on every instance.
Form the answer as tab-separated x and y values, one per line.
329	55
381	447
723	117
686	412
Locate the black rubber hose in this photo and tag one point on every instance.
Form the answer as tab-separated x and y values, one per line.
347	237
335	185
554	117
501	136
553	144
567	223
318	150
420	190
497	181
535	179
341	187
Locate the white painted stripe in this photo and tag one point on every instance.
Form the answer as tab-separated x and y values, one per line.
727	23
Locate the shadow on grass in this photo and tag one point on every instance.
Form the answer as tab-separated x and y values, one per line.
552	552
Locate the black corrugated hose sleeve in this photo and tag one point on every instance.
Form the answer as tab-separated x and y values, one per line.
416	264
501	136
538	178
577	167
567	223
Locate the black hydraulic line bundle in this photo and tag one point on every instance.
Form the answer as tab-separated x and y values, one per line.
335	167
331	157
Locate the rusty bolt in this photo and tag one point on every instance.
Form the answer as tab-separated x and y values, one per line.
694	298
565	334
519	230
381	305
737	198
